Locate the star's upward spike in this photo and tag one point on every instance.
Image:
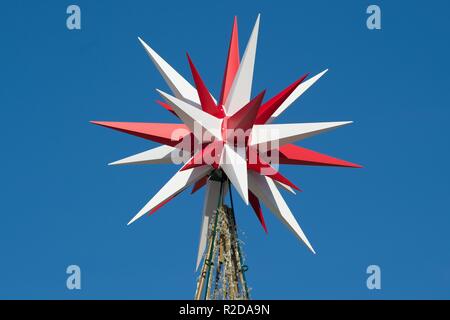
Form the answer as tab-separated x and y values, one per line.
180	87
207	102
241	90
295	95
232	65
269	108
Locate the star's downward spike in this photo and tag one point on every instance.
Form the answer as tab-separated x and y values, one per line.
209	205
180	181
234	164
199	184
265	169
265	189
254	202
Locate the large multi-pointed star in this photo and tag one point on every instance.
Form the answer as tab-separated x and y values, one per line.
254	177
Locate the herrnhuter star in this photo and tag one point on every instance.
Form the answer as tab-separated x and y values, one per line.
242	165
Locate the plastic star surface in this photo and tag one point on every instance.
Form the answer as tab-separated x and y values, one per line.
247	169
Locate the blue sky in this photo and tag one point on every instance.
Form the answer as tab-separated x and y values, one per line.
61	204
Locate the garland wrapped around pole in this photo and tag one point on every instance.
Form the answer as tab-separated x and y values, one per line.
222	275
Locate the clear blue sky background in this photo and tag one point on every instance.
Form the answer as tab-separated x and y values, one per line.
61	204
